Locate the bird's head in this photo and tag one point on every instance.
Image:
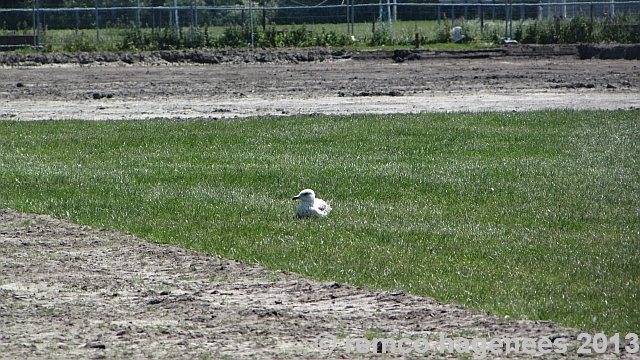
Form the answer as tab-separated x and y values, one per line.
306	195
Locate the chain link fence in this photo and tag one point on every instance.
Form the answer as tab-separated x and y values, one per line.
41	22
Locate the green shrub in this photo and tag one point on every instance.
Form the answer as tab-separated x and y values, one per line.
332	38
195	39
467	32
133	39
623	28
620	29
442	35
233	37
80	43
379	38
578	30
168	39
531	35
270	38
299	37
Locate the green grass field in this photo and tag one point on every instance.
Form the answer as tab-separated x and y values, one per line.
535	214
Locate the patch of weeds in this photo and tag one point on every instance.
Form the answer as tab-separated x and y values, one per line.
372	333
46	311
18	306
81	43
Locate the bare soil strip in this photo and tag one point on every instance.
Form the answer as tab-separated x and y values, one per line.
341	84
70	291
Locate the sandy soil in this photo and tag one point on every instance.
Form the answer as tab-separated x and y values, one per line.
343	84
69	291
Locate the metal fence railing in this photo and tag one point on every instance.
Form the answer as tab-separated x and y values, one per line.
347	16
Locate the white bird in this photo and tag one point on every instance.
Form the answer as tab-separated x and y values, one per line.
310	206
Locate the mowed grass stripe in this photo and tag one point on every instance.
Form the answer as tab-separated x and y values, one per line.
535	215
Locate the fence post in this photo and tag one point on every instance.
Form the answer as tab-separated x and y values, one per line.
97	24
481	14
175	17
439	15
540	10
506	19
380	12
348	17
453	15
612	9
389	15
395	10
36	23
33	21
353	17
251	20
510	19
138	14
493	11
591	27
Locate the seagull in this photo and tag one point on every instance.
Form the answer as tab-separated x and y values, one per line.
310	206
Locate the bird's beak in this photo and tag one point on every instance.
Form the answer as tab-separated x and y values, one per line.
296	197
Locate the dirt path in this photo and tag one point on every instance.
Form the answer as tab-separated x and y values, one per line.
162	89
69	291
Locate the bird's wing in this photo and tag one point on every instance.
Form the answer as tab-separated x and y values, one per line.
322	207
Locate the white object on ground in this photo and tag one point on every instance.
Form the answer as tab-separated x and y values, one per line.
456	34
310	206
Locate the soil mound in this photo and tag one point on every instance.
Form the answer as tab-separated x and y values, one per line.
177	56
609	52
294	56
531	51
